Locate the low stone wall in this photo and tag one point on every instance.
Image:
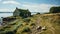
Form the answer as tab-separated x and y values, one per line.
8	19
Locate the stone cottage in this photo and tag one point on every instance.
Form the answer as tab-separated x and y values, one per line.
22	13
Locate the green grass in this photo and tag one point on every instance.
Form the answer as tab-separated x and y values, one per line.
29	25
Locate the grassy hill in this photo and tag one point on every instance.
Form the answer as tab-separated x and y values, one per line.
50	23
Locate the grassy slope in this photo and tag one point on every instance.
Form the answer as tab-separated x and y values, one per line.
50	21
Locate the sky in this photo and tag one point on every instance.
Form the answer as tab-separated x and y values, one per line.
33	5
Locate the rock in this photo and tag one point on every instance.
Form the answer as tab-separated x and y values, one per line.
39	28
44	28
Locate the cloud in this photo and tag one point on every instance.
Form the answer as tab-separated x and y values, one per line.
38	7
32	7
11	2
6	10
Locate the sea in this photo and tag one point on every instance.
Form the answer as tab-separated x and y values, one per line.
6	14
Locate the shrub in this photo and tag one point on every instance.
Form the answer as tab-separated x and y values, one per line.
32	24
27	20
38	13
26	29
55	10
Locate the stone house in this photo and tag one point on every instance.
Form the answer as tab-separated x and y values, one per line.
21	12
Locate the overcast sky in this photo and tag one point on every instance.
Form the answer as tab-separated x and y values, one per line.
32	5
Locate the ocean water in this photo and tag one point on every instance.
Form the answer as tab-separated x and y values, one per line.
9	14
6	14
